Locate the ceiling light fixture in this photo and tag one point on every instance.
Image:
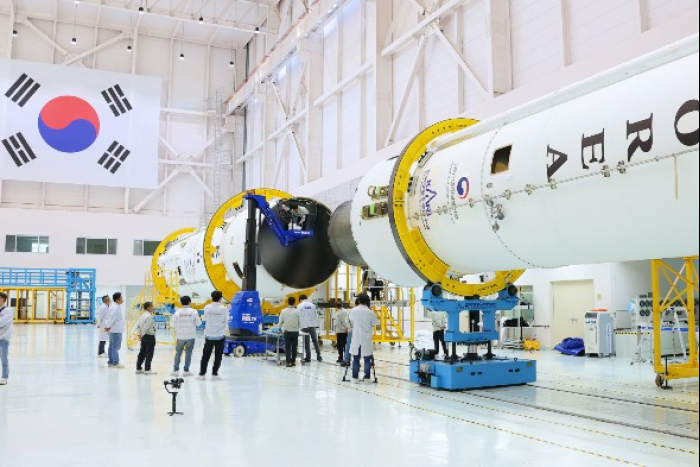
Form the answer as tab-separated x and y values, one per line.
232	63
74	39
257	17
129	48
15	10
182	43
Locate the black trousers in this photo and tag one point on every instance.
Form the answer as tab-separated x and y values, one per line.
101	348
148	347
312	337
291	344
217	346
438	338
342	342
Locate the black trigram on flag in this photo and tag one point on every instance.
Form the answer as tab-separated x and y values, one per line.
116	100
19	150
114	157
23	90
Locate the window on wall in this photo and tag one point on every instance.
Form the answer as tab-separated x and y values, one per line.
96	246
26	244
145	247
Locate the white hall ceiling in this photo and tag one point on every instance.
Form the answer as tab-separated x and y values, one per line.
227	23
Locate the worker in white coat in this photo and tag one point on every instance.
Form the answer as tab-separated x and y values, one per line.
342	330
363	322
439	320
113	322
7	317
184	323
299	214
99	319
215	331
308	321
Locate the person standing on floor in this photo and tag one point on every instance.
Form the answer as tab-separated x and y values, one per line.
289	326
346	362
216	322
439	320
184	323
146	329
114	324
308	320
342	330
99	319
363	322
7	318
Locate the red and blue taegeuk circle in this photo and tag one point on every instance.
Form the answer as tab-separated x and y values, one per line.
69	124
463	188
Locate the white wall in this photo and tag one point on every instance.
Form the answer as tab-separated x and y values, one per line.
629	280
550	47
63	228
190	88
615	284
541	281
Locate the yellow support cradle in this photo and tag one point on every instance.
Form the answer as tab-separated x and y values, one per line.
397	320
29	299
152	292
683	288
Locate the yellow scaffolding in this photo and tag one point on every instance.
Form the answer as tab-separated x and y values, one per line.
151	293
393	312
683	287
27	301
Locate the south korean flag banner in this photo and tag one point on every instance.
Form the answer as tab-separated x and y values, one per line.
63	124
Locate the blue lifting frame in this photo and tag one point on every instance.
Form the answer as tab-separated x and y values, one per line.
472	371
246	321
79	284
286	237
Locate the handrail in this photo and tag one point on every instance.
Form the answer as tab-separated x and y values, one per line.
29	277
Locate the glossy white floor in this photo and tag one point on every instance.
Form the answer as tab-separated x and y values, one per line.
64	408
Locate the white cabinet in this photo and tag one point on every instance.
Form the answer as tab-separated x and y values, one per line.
599	334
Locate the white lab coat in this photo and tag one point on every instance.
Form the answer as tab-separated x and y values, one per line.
7	317
308	315
114	320
99	317
439	320
216	317
185	322
363	323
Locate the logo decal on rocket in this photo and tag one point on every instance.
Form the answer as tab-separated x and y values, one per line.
463	188
427	195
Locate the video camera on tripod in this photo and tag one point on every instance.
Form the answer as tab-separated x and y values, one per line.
173	387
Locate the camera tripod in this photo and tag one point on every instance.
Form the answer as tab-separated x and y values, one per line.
374	369
173	393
